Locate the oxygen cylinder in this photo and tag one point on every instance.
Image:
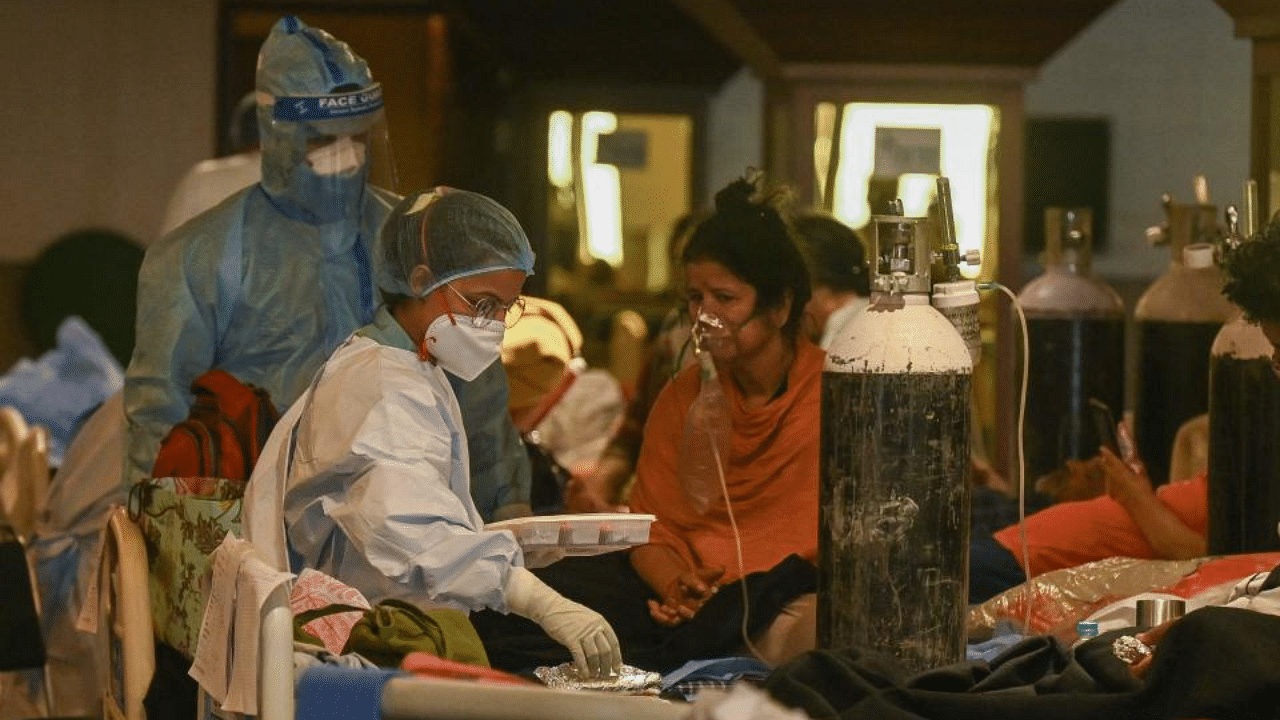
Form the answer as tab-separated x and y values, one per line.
1244	442
894	522
1176	320
1244	424
1075	335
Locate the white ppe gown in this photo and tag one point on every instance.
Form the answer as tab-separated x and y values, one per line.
376	492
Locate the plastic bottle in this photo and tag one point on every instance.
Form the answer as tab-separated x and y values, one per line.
1075	328
1176	320
708	427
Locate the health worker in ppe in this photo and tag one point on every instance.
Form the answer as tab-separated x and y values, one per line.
267	283
366	477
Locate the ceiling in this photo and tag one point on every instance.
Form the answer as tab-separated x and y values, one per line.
594	41
985	32
702	42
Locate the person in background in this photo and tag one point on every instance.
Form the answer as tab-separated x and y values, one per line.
366	478
538	354
303	212
1132	519
604	489
1252	281
741	265
266	284
837	262
565	411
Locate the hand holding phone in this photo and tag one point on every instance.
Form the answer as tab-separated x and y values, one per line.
1105	425
1114	436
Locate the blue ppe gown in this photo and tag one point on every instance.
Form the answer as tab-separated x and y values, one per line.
301	290
269	282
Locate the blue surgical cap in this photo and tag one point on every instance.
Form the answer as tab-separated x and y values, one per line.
453	234
310	86
305	75
299	60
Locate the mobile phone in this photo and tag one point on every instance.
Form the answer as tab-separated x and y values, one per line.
1105	424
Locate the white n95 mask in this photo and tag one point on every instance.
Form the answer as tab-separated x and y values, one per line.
464	348
342	157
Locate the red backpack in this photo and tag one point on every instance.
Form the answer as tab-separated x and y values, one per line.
222	437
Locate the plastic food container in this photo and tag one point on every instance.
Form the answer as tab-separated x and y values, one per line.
547	538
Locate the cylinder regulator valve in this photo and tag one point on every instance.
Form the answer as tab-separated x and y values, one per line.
1241	224
902	253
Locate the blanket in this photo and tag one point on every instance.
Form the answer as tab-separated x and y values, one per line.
1217	662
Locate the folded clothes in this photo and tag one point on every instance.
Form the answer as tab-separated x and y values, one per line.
724	669
696	676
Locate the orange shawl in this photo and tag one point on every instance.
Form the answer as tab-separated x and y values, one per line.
772	474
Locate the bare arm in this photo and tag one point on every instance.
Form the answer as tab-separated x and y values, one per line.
1165	532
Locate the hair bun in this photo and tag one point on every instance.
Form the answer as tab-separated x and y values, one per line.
736	196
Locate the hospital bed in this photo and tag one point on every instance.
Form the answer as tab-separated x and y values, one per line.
411	697
24	470
416	698
24	476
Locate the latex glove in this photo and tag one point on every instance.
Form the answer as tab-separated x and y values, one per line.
582	630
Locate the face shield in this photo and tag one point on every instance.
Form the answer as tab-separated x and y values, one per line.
320	117
334	138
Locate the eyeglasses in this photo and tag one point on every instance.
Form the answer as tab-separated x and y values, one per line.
488	307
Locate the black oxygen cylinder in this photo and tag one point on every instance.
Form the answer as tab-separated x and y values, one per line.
1075	333
1244	442
1176	320
894	492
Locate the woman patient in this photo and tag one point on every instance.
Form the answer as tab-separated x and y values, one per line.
369	468
745	276
747	283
